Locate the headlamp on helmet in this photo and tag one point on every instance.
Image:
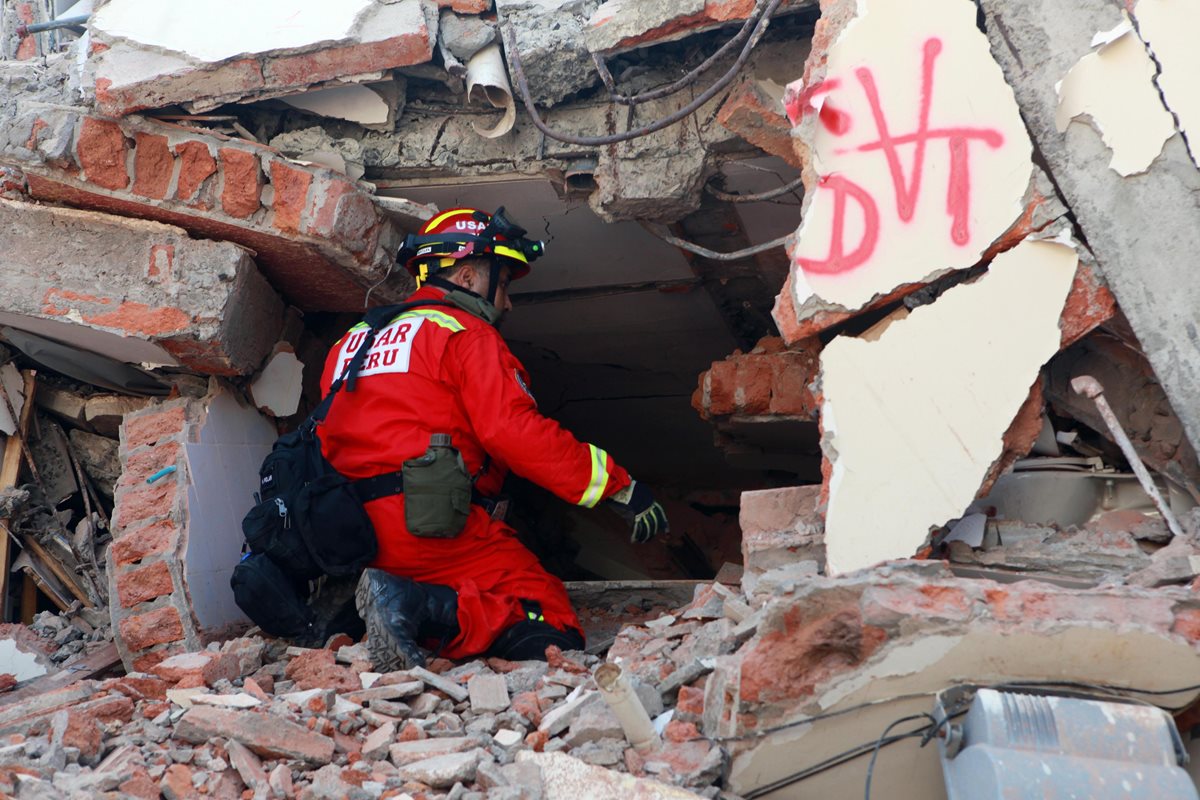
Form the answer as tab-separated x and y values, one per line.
469	233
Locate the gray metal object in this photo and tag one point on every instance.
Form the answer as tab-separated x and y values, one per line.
1017	745
1090	387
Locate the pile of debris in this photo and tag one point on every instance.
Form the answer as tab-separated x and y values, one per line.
279	721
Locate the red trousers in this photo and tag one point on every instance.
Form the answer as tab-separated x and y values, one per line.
486	564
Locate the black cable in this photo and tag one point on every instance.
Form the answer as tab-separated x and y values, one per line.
882	736
770	194
686	80
828	764
926	732
518	70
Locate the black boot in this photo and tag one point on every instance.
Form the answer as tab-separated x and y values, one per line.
528	639
398	613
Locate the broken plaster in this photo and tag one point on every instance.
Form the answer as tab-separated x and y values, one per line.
222	29
1114	85
920	153
914	420
1168	29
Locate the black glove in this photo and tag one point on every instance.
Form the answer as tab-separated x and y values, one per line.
639	508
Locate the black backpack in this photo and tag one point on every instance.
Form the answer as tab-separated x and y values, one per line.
309	518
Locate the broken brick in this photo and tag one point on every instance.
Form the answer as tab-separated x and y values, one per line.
102	150
159	626
153	166
139	585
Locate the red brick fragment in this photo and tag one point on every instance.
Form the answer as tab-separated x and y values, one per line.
556	660
146	502
134	545
291	195
150	428
152	166
153	627
139	585
196	164
243	182
316	670
680	731
102	149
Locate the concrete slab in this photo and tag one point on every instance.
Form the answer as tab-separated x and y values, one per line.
914	420
918	157
879	644
142	56
203	302
1141	228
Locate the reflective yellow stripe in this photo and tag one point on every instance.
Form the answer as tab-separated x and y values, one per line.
433	223
362	326
437	317
516	255
599	481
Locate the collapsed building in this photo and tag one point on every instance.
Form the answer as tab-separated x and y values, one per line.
893	308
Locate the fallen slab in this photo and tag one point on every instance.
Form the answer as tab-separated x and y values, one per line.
915	419
878	644
1140	227
916	156
142	58
317	237
201	303
267	735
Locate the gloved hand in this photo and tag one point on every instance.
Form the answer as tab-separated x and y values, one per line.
639	508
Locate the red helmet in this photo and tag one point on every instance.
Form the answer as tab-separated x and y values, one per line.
468	233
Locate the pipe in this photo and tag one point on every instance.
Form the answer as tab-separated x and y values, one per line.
54	24
626	707
1088	386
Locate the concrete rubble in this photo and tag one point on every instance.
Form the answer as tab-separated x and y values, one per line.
918	230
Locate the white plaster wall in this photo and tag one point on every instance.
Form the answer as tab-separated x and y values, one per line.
919	204
914	420
214	30
18	663
223	466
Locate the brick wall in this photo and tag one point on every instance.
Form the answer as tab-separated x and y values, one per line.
176	540
318	237
770	380
150	612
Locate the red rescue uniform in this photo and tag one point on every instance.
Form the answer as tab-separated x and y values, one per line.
438	369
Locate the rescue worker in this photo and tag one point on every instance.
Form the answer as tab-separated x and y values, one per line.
440	386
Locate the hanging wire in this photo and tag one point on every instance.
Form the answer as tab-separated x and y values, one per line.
514	59
683	244
770	194
686	80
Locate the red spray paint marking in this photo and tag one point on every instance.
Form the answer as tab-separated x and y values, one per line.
838	260
907	186
797	104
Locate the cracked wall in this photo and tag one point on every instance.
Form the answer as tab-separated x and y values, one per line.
916	156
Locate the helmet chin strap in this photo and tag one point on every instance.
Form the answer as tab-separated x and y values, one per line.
493	280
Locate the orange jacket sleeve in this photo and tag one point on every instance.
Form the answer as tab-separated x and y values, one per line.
493	389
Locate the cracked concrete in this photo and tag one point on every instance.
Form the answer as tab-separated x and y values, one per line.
1141	228
142	61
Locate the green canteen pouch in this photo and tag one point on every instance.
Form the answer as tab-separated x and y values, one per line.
437	491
